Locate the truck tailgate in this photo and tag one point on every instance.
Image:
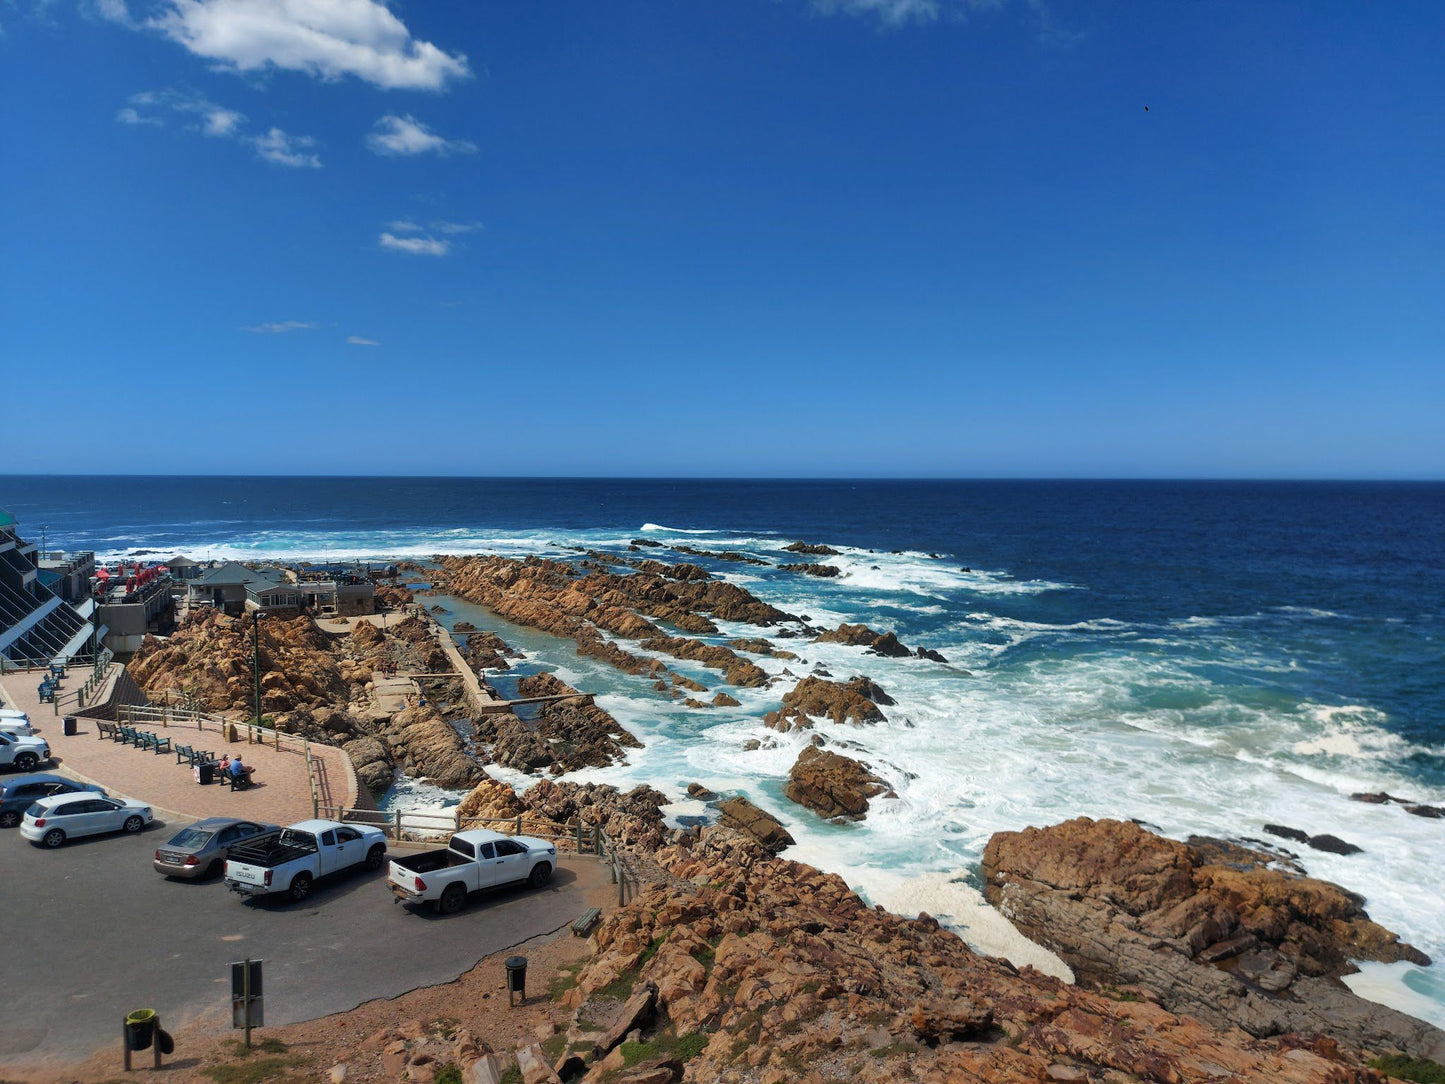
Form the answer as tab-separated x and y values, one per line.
246	874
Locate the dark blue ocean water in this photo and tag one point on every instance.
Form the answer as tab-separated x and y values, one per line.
1208	657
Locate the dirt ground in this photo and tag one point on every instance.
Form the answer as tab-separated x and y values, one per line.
433	1021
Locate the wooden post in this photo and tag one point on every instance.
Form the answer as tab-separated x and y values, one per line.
519	824
398	824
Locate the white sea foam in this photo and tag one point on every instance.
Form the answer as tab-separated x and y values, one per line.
657	528
1401	986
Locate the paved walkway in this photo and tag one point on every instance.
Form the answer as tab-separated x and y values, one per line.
282	794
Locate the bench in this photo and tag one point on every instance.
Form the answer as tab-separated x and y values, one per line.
192	756
47	691
157	744
237	782
104	730
585	921
127	734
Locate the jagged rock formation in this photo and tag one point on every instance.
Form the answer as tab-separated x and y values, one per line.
818	698
877	643
741	815
834	786
566	734
812	568
789	976
812	549
487	651
1208	929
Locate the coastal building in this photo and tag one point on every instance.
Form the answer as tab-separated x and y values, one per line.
269	591
133	602
37	625
67	574
336	591
183	568
223	587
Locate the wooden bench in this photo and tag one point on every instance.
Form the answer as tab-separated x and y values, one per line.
104	730
128	735
585	921
192	756
158	745
236	782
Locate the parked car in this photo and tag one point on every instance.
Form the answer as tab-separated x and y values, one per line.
20	792
17	722
470	862
201	849
293	860
51	821
26	754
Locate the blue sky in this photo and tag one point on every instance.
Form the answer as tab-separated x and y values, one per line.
737	237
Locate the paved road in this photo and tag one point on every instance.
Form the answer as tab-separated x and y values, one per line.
90	932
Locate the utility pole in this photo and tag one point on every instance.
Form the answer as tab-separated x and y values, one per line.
256	665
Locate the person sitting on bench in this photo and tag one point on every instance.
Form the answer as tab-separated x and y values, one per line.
238	770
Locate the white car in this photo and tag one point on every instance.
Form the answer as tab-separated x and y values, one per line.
22	753
16	722
53	820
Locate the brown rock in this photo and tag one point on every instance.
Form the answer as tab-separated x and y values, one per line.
938	1020
833	785
742	816
815	697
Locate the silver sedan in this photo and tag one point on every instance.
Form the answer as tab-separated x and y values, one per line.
200	850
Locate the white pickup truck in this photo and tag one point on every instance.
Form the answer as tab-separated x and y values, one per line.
292	860
470	862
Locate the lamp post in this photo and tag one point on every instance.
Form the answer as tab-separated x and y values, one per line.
256	665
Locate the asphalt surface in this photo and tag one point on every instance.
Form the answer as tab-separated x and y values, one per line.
90	931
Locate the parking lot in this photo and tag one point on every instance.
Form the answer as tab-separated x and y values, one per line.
91	932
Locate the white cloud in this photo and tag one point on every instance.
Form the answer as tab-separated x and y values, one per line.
416	246
115	11
406	225
280	327
396	136
128	115
357	340
222	122
455	227
286	150
329	39
893	12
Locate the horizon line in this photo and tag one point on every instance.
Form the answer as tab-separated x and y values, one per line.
1260	479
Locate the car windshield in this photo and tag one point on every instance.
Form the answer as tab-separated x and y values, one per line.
192	839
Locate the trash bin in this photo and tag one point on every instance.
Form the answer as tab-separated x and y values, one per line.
68	726
516	977
205	772
140	1029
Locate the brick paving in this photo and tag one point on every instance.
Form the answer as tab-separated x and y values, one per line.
282	794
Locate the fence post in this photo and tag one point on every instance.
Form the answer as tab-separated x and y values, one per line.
397	836
579	835
519	824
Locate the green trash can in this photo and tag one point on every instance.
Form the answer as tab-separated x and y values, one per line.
140	1029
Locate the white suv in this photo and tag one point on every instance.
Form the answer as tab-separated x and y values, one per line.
22	753
55	819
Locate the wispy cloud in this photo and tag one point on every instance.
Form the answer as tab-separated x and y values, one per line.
407	225
329	39
357	340
199	114
898	13
396	136
280	327
416	246
282	149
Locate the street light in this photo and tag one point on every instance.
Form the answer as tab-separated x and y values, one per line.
256	664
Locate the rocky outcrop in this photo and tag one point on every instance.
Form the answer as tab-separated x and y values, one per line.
722	555
211	657
1211	932
742	816
877	643
812	549
633	818
565	735
811	568
788	976
583	605
834	786
855	701
759	646
426	746
487	651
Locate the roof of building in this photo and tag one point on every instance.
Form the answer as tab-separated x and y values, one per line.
232	572
181	562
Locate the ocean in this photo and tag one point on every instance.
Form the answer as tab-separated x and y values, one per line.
1206	657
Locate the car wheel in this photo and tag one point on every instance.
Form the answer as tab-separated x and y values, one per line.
133	824
452	899
53	838
541	874
9	819
375	857
26	762
300	886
